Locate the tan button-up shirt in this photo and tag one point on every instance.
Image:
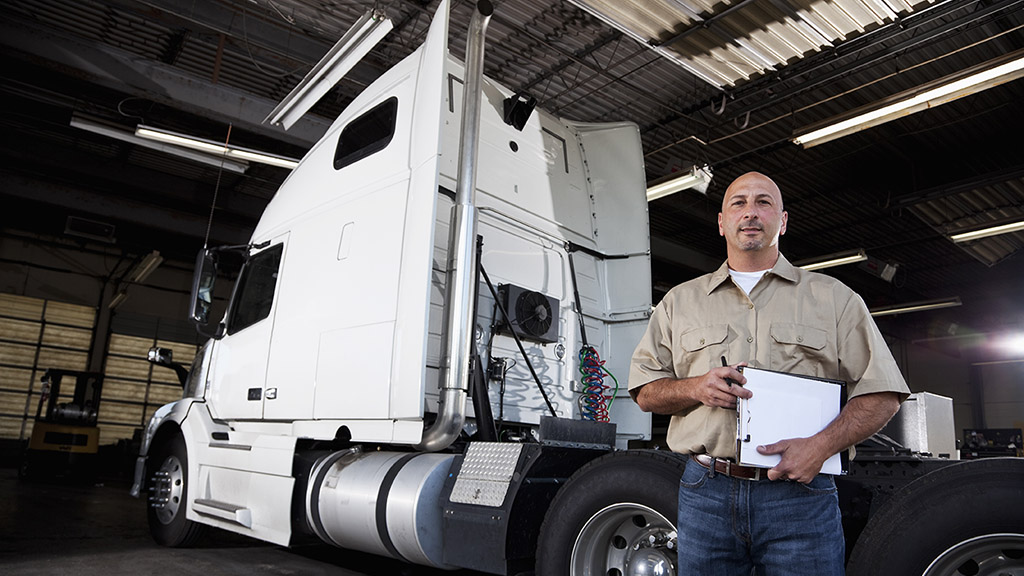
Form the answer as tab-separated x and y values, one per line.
793	321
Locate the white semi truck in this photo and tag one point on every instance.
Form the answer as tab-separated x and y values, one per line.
418	359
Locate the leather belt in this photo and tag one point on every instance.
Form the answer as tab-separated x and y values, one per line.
729	469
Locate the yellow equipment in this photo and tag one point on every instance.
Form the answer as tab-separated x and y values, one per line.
65	439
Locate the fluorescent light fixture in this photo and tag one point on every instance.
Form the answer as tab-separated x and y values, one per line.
214	148
696	178
979	78
353	46
238	166
145	267
991	230
917	306
116	300
837	259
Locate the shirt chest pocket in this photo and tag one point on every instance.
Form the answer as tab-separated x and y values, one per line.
799	349
702	349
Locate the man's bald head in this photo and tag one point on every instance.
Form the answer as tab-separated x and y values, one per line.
755	180
751	220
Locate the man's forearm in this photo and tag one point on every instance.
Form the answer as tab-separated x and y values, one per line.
863	416
802	458
666	396
718	387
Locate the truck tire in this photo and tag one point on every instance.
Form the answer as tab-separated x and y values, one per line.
167	489
964	519
615	516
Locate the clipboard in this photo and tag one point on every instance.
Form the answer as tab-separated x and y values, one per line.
786	406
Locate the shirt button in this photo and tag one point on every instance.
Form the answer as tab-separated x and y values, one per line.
750	338
701	340
799	338
751	306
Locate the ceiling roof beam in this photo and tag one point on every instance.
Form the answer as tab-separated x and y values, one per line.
958	187
875	57
105	206
118	70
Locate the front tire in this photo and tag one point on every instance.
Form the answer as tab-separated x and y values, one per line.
964	519
615	516
167	486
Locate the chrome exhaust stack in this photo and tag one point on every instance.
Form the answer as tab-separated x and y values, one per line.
458	327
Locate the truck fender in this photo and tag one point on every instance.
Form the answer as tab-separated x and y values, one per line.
173	415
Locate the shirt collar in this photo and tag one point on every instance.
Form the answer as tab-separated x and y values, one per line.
783	269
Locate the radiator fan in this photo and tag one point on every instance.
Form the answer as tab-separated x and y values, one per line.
533	315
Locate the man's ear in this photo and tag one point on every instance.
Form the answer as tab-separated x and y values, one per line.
782	229
721	231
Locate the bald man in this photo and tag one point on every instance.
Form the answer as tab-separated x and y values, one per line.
759	310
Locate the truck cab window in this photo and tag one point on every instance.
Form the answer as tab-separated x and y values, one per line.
255	293
367	134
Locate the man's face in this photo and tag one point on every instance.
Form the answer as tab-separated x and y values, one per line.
752	217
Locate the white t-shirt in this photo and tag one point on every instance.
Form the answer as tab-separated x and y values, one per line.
747	280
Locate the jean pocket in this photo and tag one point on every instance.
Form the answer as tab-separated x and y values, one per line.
822	484
694	475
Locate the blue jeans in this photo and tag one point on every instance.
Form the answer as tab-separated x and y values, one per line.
735	527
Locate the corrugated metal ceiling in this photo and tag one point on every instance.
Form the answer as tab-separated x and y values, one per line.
722	83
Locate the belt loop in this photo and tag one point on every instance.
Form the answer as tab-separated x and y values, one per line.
728	467
714	464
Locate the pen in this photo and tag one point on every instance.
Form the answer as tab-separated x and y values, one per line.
729	380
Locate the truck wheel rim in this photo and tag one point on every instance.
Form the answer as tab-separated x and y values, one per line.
625	539
168	485
988	555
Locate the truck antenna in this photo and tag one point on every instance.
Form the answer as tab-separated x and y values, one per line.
216	189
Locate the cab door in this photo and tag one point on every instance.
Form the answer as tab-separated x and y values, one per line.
239	371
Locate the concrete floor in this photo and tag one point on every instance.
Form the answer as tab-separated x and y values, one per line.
99	530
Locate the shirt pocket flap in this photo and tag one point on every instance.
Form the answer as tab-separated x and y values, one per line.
703	337
798	334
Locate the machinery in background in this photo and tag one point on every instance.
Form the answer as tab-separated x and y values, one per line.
991	443
65	437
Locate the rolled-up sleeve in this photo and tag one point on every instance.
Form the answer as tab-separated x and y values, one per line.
652	359
865	360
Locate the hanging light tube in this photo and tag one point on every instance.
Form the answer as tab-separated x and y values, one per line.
988	75
917	306
837	259
993	230
79	122
339	60
145	267
214	148
696	178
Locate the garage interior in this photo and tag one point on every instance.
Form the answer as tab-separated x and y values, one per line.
100	227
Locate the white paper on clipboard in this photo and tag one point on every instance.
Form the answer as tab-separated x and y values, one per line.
784	406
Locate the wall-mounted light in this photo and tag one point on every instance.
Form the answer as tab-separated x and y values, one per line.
214	148
96	127
918	306
145	267
837	259
695	179
353	46
116	300
1001	227
977	79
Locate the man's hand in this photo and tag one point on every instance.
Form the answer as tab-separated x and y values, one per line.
802	459
670	395
721	387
